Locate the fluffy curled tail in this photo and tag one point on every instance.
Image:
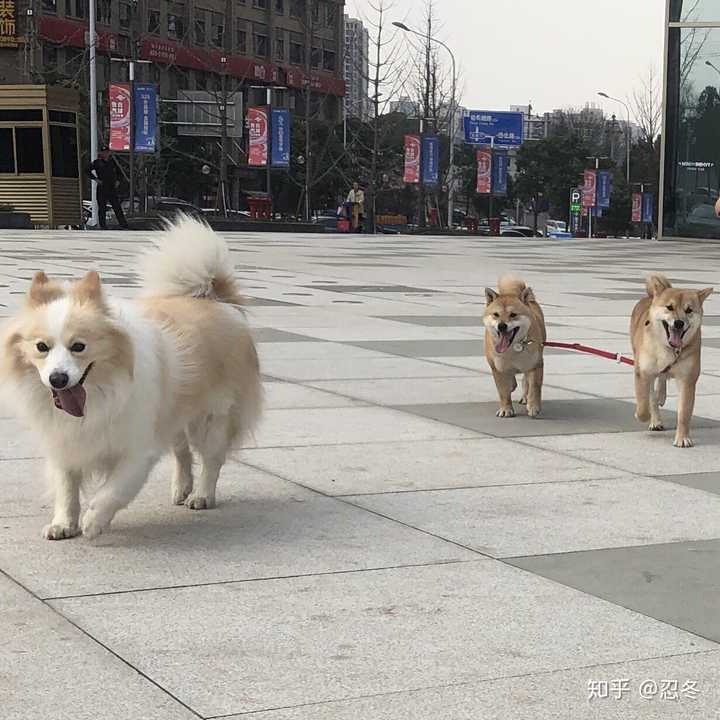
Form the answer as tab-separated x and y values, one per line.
190	260
656	284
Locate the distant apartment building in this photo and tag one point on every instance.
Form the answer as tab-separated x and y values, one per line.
357	69
405	106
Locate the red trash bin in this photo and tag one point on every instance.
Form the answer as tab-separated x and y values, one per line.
434	217
494	226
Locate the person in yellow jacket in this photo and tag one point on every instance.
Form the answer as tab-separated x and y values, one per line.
356	196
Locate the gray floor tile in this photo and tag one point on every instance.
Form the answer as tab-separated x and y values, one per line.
552	517
437	320
708	481
559	417
677	583
687	688
425	348
253	646
50	669
263	527
270	335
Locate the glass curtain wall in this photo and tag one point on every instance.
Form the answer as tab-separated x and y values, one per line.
691	163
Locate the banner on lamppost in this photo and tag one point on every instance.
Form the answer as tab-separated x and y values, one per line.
281	130
648	207
484	171
637	202
119	99
604	188
590	189
257	119
412	159
500	164
145	118
430	159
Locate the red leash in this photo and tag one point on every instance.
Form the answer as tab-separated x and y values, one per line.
592	351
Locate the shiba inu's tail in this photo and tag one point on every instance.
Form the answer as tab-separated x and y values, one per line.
190	260
516	287
657	283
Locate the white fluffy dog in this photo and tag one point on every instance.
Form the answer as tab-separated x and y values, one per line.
111	386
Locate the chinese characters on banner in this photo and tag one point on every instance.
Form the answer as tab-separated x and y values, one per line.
500	166
119	97
637	207
484	171
8	23
648	207
257	119
412	159
430	159
145	118
280	137
590	189
604	188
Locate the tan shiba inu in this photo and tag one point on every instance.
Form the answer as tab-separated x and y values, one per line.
514	342
665	331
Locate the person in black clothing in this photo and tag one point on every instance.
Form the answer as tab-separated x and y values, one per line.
102	171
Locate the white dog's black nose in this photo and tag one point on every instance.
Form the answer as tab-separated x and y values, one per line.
679	324
502	327
59	380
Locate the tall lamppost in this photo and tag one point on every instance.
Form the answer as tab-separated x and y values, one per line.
627	129
92	41
453	113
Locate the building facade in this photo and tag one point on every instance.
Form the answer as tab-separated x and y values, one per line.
690	169
357	69
185	45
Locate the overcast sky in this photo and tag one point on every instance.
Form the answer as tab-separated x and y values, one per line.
555	53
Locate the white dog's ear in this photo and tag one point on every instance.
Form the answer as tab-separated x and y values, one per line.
527	296
657	284
704	294
89	288
43	290
490	296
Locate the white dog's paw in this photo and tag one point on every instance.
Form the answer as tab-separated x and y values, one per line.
60	532
93	524
200	502
683	442
533	411
505	413
180	494
656	426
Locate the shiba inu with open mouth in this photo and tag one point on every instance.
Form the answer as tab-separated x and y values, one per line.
665	331
514	342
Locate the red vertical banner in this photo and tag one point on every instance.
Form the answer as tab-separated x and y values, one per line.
590	189
259	131
412	159
484	171
119	98
637	207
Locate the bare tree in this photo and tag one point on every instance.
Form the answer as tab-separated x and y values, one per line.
646	103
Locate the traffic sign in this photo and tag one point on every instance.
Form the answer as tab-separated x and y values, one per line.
485	127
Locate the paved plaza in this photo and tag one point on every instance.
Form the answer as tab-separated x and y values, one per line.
387	549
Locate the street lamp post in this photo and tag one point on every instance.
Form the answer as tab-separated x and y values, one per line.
627	129
453	113
93	104
268	99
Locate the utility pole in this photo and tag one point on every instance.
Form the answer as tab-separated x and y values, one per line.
223	105
308	104
93	104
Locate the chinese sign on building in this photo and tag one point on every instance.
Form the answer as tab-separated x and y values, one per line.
8	23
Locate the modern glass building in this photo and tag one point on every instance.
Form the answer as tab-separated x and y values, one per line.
690	169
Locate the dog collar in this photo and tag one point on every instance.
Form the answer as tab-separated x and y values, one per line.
523	345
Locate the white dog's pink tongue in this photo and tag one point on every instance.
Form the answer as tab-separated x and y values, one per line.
72	400
504	343
676	337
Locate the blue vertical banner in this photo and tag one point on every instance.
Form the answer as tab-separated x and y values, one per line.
604	188
430	159
500	164
145	106
648	207
281	137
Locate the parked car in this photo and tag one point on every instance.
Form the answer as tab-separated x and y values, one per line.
519	231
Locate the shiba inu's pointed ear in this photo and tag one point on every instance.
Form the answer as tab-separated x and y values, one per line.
704	294
490	296
43	290
527	296
657	284
89	288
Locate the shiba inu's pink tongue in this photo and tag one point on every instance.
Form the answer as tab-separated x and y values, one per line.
503	344
72	400
676	337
